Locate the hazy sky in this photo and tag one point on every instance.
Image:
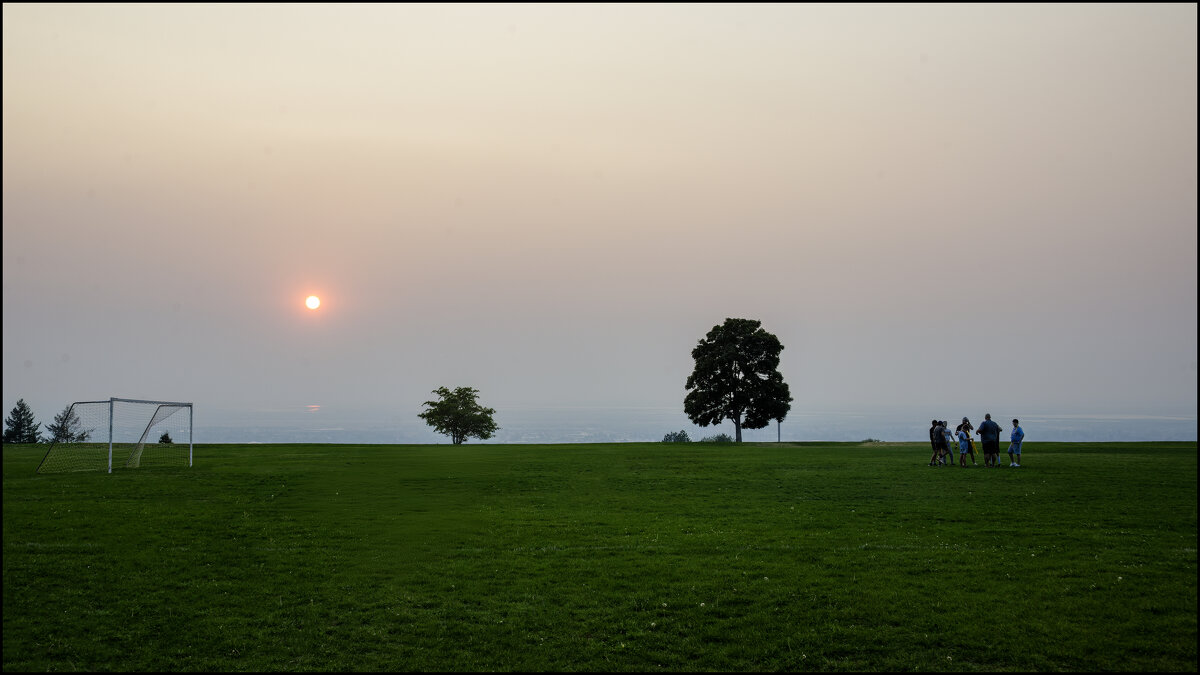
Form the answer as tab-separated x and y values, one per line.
960	207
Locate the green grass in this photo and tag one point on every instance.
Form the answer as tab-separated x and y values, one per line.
817	556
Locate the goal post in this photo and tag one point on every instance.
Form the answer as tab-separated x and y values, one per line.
121	432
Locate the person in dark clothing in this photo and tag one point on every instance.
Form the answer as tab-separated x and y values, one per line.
989	436
934	441
943	443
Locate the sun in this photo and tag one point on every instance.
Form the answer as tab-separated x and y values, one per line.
312	302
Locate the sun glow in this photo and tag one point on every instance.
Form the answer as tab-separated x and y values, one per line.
312	302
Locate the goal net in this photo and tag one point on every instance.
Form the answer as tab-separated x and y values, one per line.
121	433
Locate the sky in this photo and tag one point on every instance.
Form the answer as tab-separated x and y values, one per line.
932	206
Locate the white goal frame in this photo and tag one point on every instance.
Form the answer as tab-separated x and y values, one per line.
134	459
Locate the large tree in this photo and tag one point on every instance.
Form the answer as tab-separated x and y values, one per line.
20	426
737	378
66	428
458	415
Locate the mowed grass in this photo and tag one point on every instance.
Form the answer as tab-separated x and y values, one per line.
816	556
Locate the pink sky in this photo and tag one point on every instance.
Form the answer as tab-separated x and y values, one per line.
985	205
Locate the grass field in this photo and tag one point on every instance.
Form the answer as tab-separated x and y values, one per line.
817	556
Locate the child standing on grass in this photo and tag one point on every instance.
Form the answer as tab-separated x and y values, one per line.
966	426
1014	444
964	444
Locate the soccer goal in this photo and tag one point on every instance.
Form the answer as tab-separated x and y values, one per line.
130	433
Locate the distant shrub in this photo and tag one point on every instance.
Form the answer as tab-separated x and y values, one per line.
871	440
720	439
676	437
165	438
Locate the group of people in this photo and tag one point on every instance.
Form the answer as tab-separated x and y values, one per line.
944	442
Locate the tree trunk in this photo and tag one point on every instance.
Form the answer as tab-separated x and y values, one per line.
737	428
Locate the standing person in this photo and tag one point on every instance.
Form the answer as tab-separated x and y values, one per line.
966	426
944	443
933	442
951	442
1014	444
989	436
964	442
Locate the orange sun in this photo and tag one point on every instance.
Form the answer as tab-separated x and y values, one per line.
312	302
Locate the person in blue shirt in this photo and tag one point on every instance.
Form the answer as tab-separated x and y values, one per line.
1014	444
989	437
966	426
964	444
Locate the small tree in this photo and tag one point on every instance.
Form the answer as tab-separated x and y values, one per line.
459	416
20	426
66	428
676	437
165	439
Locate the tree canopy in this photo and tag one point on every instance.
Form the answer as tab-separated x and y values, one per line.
66	428
737	378
20	426
458	415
